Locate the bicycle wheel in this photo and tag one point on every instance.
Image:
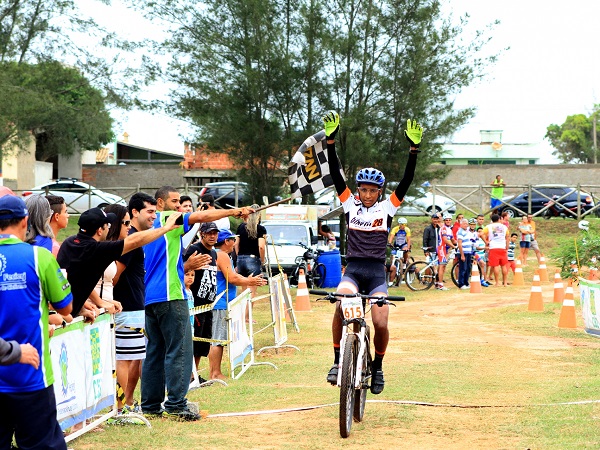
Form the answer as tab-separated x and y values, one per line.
360	399
318	275
347	390
420	276
454	273
401	272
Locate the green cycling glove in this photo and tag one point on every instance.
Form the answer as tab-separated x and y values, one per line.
413	133
332	124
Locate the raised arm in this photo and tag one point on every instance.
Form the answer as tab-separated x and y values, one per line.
211	215
413	134
332	126
224	265
142	238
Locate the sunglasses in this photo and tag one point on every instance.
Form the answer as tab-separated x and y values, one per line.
231	239
126	222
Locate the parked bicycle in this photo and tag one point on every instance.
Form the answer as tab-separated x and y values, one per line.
421	275
354	374
400	262
314	271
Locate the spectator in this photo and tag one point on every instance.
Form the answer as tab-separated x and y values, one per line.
456	225
130	289
465	250
434	244
39	232
497	241
188	279
510	254
480	256
86	255
207	203
533	244
34	280
497	192
504	219
327	235
59	219
250	247
227	280
186	204
204	289
169	349
447	243
526	231
11	352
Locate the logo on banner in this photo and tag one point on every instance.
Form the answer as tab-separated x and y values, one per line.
95	343
312	169
63	363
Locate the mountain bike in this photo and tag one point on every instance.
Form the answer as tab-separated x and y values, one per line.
354	373
399	263
421	275
314	271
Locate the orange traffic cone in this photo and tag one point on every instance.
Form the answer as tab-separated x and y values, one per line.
518	279
543	270
475	282
536	303
567	312
302	298
559	289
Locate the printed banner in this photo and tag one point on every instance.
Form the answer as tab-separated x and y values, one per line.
589	293
82	361
240	342
278	309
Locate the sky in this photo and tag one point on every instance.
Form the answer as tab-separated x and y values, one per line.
549	71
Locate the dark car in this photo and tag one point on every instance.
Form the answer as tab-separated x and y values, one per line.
541	195
225	193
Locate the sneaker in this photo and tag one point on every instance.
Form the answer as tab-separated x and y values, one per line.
377	382
332	376
465	287
135	408
485	283
390	283
182	415
441	287
154	414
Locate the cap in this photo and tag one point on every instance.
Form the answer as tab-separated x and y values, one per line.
225	234
208	226
12	207
447	216
435	216
472	220
94	218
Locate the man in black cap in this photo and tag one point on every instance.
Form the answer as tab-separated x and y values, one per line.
31	279
204	288
86	255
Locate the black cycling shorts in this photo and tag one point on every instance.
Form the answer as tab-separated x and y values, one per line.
367	275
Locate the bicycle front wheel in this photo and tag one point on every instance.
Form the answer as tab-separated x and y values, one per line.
318	275
420	276
454	273
347	390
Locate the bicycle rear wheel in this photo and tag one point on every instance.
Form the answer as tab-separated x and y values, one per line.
454	273
401	274
347	391
420	276
361	394
318	275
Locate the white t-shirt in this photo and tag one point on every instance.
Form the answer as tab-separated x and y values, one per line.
497	235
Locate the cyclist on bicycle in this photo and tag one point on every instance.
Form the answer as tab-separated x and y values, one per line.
368	223
399	237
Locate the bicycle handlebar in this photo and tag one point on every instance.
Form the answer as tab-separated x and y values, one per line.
331	296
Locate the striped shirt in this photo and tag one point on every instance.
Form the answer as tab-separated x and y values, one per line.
30	279
464	236
164	264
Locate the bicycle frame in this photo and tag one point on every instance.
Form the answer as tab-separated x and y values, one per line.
348	329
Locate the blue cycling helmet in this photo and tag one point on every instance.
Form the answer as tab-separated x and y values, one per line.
371	176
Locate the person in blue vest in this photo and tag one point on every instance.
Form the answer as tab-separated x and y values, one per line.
31	279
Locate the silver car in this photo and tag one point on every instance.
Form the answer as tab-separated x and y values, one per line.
79	196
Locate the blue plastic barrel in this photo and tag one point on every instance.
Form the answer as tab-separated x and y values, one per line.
333	267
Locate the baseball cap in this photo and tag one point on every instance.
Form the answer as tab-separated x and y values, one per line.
12	207
447	216
472	220
435	216
208	226
225	234
94	218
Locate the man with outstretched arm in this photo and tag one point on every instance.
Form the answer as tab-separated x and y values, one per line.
368	222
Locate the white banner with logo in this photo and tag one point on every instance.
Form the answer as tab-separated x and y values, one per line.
82	361
589	293
278	309
240	341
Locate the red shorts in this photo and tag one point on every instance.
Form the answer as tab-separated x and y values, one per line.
497	257
512	265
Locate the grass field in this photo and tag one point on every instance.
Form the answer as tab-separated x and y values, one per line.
501	377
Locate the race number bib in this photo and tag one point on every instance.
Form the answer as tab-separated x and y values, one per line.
352	307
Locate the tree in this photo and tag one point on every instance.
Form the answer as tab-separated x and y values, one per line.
573	139
53	103
255	77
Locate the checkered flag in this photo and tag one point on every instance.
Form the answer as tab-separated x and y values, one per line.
309	169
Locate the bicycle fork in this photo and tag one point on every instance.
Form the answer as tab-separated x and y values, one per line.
350	327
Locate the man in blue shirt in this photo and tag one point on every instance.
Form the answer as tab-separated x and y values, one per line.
29	279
